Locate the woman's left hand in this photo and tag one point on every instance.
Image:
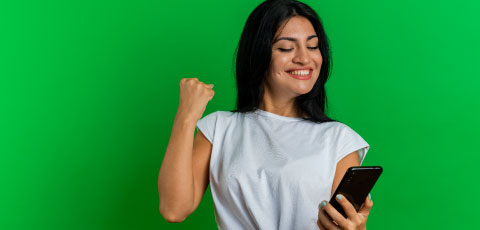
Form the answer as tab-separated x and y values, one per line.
355	221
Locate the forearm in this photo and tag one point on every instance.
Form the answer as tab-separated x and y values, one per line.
175	180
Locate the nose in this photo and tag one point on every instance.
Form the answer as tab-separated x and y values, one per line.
301	56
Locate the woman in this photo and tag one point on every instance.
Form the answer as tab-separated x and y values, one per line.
274	159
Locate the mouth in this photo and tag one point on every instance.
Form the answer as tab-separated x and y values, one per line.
300	74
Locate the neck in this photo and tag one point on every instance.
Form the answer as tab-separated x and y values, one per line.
283	106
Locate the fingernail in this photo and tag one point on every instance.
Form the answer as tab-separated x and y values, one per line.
322	204
369	197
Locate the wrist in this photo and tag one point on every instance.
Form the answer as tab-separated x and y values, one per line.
185	118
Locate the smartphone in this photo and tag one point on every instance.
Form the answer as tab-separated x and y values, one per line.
356	184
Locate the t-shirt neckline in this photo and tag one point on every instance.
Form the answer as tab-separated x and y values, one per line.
273	115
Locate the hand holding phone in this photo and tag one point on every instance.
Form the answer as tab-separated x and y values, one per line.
356	184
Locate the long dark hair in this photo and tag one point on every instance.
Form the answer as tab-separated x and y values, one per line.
254	52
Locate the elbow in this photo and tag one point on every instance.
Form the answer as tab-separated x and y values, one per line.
172	217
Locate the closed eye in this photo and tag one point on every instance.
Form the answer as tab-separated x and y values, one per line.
285	50
288	50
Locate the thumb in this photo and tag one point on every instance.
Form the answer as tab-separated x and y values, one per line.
210	86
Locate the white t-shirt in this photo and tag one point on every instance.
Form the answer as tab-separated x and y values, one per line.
271	172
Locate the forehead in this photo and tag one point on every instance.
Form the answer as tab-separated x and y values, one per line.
296	26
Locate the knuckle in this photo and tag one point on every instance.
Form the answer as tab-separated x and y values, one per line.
193	83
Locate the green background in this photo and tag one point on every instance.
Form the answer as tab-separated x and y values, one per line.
89	91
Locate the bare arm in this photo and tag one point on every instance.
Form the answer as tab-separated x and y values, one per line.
202	149
175	179
342	166
185	155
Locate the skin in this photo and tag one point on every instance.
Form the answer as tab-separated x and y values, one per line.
280	92
280	88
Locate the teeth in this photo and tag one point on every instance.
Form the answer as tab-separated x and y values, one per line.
300	72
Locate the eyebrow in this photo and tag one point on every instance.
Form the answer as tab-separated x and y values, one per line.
293	39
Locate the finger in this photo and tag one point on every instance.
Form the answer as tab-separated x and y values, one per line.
347	207
320	225
206	85
326	220
366	207
336	216
211	96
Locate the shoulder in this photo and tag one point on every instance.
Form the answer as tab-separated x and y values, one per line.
344	135
218	117
224	114
332	126
337	131
342	129
213	122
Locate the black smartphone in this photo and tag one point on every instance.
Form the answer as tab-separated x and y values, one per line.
355	186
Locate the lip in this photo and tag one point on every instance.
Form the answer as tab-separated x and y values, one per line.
298	77
301	68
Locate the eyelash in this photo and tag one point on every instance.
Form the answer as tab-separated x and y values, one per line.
288	50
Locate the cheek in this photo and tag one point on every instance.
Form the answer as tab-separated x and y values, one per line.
318	58
279	63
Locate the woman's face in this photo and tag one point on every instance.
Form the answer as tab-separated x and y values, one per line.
296	59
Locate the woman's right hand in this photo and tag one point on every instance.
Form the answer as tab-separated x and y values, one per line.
194	97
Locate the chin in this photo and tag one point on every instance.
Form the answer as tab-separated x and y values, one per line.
303	89
301	92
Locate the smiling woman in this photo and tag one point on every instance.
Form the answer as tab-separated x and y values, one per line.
295	53
258	55
274	159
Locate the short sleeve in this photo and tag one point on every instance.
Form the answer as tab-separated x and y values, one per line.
349	141
207	125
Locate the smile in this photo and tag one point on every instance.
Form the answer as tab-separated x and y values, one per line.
301	74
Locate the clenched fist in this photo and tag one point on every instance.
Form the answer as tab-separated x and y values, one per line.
194	97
